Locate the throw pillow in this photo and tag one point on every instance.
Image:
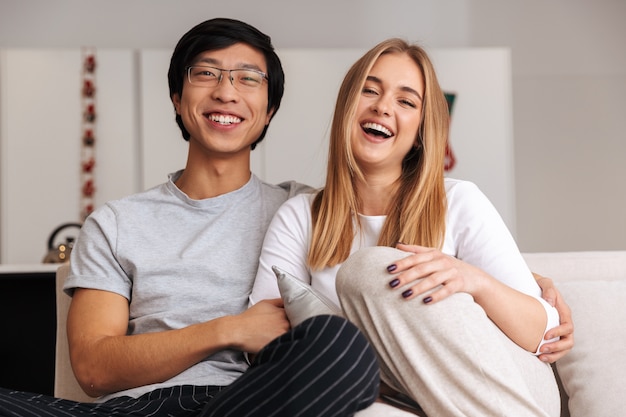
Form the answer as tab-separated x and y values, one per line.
301	300
592	373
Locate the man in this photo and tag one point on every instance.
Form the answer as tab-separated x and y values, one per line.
159	323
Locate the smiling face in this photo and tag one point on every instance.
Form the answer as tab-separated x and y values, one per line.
221	120
388	114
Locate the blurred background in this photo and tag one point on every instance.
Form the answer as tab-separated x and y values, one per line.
567	64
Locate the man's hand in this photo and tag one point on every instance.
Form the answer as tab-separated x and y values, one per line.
551	352
259	325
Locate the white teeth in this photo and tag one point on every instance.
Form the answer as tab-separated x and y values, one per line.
224	120
377	127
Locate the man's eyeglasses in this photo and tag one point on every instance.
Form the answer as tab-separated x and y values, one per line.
242	79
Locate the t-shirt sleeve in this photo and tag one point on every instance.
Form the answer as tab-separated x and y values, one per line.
93	262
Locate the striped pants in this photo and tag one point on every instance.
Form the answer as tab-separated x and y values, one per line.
322	367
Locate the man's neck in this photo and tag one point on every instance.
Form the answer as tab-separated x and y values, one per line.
206	180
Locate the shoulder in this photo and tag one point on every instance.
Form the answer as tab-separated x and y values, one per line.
467	203
456	187
130	202
294	213
464	193
274	195
283	191
288	188
297	204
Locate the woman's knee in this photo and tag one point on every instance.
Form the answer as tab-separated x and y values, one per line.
365	271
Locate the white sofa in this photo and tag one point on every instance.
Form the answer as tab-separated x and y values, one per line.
594	286
592	374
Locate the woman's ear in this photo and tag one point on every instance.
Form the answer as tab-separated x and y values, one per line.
418	140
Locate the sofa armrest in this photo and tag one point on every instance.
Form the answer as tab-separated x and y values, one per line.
65	384
593	284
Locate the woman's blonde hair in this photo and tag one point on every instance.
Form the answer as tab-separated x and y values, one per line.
418	209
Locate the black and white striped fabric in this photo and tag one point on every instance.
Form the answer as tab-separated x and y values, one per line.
322	367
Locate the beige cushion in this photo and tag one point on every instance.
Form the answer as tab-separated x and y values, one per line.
593	372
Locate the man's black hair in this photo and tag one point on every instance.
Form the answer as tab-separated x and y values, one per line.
220	33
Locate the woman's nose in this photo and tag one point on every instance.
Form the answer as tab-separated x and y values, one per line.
382	107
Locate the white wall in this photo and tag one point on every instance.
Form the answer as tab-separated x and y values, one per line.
40	147
569	77
569	92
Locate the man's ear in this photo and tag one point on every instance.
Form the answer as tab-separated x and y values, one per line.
270	113
176	101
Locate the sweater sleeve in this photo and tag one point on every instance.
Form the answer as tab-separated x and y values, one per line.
286	245
476	234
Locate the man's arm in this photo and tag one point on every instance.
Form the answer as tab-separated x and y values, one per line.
106	360
553	351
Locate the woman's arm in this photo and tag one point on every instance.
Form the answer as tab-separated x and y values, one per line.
480	257
521	317
286	246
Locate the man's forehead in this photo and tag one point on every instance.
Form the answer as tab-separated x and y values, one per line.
239	55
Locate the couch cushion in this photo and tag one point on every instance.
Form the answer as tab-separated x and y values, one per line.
300	299
579	266
593	372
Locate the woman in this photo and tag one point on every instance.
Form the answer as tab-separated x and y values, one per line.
454	313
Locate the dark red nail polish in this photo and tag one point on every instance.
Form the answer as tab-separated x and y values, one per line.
394	283
392	267
407	293
427	299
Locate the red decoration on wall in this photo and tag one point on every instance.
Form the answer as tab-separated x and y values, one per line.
88	188
449	160
88	88
88	139
88	166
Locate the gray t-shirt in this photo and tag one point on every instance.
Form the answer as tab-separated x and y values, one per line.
179	261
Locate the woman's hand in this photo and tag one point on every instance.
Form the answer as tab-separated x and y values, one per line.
442	274
551	352
431	276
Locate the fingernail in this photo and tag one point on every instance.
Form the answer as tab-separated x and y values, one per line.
407	293
392	267
394	283
427	299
